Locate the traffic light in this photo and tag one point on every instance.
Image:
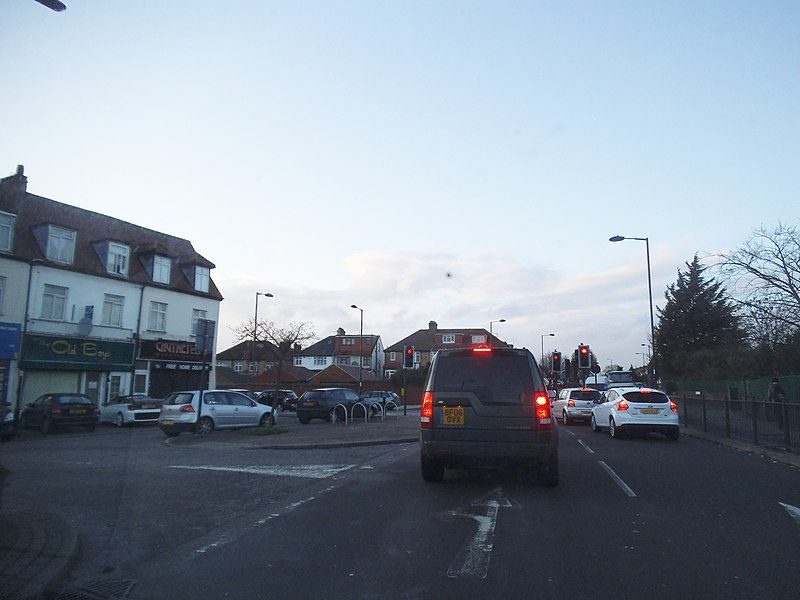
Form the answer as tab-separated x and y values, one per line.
408	360
584	357
556	362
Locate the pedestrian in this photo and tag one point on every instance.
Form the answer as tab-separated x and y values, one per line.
777	396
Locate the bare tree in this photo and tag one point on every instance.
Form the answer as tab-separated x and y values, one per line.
280	343
765	277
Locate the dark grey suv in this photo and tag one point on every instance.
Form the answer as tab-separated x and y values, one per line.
487	407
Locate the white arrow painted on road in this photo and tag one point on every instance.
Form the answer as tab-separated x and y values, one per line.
311	471
472	560
793	511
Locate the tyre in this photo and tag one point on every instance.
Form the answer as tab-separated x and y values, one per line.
47	426
119	420
170	434
593	425
613	431
673	435
205	426
549	473
565	418
304	419
264	421
91	427
432	469
23	423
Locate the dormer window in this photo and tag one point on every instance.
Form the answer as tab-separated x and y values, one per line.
448	338
202	278
7	222
117	259
60	244
162	267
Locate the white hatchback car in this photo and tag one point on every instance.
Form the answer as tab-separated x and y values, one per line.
575	404
632	409
125	410
221	409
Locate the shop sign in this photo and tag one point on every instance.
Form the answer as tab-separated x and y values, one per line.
10	334
169	350
68	353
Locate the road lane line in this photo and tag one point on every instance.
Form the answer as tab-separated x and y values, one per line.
310	471
618	479
586	447
793	511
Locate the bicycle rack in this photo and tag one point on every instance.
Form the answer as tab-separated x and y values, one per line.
336	412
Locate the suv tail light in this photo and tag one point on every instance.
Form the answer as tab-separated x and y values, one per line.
542	402
426	411
187	408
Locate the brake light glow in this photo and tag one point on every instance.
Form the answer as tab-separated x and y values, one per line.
426	411
542	402
622	405
131	406
56	410
481	349
571	402
672	406
187	408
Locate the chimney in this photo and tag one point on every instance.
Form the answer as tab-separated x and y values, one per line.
340	331
16	182
432	326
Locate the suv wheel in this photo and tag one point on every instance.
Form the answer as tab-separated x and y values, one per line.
549	472
432	469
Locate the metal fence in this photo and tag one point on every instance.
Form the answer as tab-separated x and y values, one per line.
768	424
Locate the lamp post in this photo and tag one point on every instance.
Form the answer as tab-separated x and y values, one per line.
544	335
360	346
619	238
255	337
490	329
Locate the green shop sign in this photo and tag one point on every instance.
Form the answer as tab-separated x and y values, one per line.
73	354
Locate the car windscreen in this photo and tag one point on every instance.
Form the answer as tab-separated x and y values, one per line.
74	400
584	395
646	397
494	378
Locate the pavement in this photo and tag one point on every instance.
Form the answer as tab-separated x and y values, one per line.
37	549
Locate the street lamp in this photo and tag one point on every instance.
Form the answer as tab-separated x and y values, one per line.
360	346
255	336
544	335
619	238
490	329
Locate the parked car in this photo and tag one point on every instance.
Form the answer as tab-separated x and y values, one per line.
633	409
125	410
575	404
51	411
221	409
387	400
486	406
8	428
287	399
328	404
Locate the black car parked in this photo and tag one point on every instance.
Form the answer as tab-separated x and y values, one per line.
287	399
51	411
327	404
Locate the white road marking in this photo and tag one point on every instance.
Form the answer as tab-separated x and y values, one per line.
793	511
586	447
310	471
472	560
618	479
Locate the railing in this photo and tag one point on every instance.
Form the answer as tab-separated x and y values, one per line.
368	410
768	424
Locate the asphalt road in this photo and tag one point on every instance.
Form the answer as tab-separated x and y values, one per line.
631	518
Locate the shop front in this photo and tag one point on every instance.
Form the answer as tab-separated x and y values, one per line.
174	366
96	367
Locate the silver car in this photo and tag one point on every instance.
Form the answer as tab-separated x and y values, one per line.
575	404
221	409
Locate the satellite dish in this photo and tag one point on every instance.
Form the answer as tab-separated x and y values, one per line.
85	326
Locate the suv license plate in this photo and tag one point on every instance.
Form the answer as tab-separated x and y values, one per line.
452	415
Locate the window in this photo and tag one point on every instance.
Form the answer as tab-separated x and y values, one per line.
114	386
478	339
2	293
298	361
202	278
320	361
158	316
197	314
342	360
348	342
161	269
448	338
392	356
7	231
366	361
253	367
238	366
60	244
117	259
112	310
54	302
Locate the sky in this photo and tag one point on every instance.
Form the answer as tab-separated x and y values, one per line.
452	161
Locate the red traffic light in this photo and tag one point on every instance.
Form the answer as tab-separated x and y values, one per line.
584	350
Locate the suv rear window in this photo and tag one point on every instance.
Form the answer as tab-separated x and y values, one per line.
648	397
510	377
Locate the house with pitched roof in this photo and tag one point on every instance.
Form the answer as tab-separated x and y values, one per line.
343	349
93	304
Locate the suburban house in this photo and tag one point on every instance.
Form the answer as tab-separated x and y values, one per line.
344	350
426	342
97	305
